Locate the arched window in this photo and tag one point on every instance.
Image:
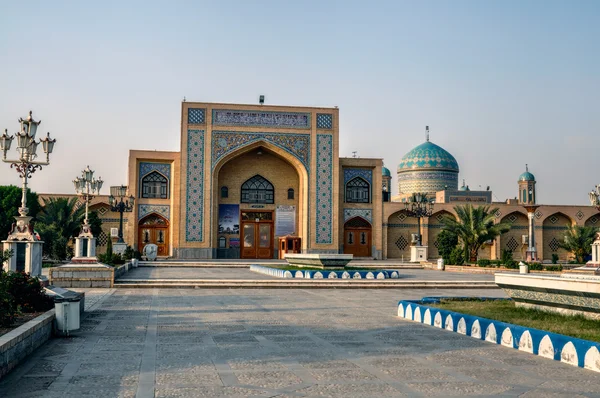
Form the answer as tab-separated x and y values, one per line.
155	185
224	192
258	190
291	193
357	191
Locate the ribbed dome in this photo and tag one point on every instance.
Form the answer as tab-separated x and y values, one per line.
385	172
526	176
428	156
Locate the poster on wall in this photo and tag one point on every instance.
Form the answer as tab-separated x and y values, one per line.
229	219
234	242
285	220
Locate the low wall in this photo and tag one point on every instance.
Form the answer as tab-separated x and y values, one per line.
475	269
17	344
576	352
84	275
325	274
122	270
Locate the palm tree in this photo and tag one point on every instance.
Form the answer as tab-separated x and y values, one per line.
63	214
578	240
474	227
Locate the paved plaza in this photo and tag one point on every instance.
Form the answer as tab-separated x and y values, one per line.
279	343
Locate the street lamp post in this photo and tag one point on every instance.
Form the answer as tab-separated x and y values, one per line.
418	205
25	245
86	187
595	201
119	202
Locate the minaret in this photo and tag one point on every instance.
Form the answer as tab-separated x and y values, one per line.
386	182
527	199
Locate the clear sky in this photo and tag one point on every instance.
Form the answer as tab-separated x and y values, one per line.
500	83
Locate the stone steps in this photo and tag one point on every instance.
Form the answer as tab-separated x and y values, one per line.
302	283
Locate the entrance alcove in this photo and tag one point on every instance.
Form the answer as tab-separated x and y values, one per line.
358	237
154	228
513	239
258	206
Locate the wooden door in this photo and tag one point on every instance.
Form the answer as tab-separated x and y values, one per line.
256	234
357	237
154	229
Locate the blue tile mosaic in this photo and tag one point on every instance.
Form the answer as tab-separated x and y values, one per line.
163	210
196	115
428	156
225	142
194	201
324	222
148	167
296	120
324	121
365	174
326	274
367	214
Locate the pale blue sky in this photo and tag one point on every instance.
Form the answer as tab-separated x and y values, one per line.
500	83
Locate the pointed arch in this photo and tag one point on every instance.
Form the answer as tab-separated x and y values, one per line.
155	185
513	239
358	190
554	228
257	189
434	228
357	237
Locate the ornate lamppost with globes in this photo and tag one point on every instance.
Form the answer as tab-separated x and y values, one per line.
86	187
119	202
595	201
22	240
418	205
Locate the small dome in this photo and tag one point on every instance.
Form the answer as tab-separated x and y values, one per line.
464	188
526	176
428	156
385	172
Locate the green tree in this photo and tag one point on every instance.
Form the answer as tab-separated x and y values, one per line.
59	220
578	240
10	201
447	242
474	227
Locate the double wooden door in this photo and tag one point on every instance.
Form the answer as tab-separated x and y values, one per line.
256	235
357	237
154	229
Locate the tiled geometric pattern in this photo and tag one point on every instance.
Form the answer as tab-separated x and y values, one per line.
553	219
593	220
223	117
554	244
538	214
580	214
324	121
148	167
401	216
102	239
195	186
512	244
401	243
512	218
440	217
428	156
436	244
324	188
364	213
144	210
196	116
498	213
102	210
426	181
225	142
365	174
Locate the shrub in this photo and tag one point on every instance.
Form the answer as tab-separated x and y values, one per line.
137	255
8	307
506	256
554	258
484	262
129	253
554	267
447	241
457	256
511	264
536	267
497	263
27	292
117	259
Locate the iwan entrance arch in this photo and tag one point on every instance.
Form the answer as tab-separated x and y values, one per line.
259	192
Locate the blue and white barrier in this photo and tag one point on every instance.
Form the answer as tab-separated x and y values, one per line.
571	350
326	274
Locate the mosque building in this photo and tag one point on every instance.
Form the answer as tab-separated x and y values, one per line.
246	175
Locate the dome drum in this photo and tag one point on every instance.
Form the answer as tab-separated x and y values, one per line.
426	182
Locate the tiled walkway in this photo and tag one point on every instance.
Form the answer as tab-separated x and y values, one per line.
279	343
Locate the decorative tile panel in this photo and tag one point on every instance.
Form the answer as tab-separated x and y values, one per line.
196	115
367	214
498	213
512	244
102	210
402	243
580	214
401	216
324	188
365	174
296	120
553	219
163	210
225	142
593	220
324	121
554	244
194	201
512	218
538	214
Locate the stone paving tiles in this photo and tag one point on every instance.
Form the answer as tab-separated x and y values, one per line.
279	343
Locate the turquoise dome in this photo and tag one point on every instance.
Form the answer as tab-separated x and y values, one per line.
526	176
385	172
428	156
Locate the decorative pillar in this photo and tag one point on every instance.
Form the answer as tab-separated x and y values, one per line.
531	250
595	253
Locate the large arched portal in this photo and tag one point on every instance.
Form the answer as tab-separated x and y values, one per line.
259	195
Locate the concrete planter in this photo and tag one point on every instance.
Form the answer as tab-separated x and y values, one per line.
319	260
